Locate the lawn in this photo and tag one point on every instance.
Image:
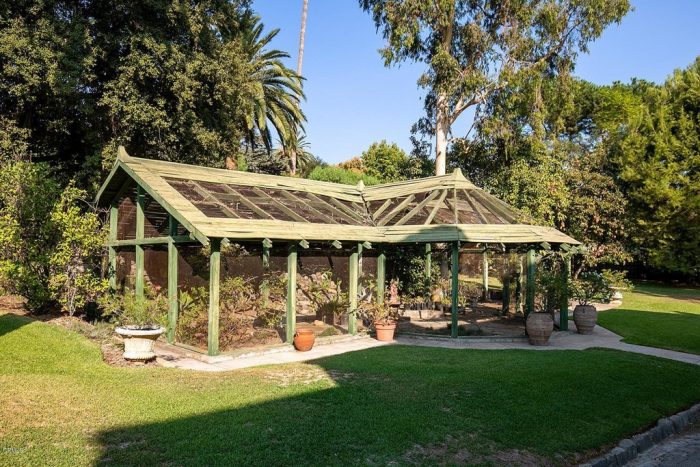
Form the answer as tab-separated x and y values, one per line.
658	316
60	404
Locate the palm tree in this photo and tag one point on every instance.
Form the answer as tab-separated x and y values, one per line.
297	147
275	89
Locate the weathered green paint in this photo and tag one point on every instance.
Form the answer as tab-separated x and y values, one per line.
454	270
381	277
353	269
265	286
505	307
140	225
112	271
214	278
291	292
152	241
173	307
485	274
564	308
428	268
530	284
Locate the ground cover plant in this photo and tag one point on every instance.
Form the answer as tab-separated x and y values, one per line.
61	404
658	316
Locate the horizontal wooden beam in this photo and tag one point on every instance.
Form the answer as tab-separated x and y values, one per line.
153	241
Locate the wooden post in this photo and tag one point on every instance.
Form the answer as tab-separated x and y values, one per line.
564	308
112	267
173	306
353	270
214	277
381	277
140	222
265	286
428	268
505	307
455	287
291	292
485	274
530	284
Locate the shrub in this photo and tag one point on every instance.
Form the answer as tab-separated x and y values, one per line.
127	309
337	175
589	287
75	262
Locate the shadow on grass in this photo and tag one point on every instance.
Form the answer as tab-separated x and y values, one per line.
398	405
678	293
10	322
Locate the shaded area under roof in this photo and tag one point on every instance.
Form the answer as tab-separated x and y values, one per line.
218	203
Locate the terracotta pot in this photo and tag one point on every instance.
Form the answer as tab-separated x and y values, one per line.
138	342
585	317
304	340
385	330
539	327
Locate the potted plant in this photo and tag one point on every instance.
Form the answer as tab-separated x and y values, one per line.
549	288
383	317
304	339
617	282
588	287
139	322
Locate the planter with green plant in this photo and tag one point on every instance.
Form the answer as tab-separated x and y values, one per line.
549	294
617	282
139	322
382	316
589	286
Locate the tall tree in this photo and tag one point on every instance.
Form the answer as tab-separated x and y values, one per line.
473	48
294	139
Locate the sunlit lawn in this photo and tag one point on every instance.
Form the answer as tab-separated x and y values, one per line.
60	404
658	316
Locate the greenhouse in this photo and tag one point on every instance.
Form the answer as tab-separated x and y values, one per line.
259	253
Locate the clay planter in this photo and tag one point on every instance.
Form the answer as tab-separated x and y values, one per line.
385	330
304	340
539	327
138	341
585	317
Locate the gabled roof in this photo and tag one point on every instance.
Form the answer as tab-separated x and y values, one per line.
218	203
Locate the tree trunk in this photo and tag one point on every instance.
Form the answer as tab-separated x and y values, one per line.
442	129
302	33
300	59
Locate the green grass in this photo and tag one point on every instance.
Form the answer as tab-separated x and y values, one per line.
658	316
60	404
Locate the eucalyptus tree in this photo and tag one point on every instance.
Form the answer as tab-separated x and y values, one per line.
474	48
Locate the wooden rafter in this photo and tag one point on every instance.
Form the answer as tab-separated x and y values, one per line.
330	207
436	208
251	205
282	207
205	193
475	208
502	216
402	205
382	208
419	207
292	197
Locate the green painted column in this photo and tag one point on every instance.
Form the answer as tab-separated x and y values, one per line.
485	274
428	268
530	284
112	267
173	306
564	309
353	270
381	277
265	287
214	278
140	225
505	307
454	265
291	292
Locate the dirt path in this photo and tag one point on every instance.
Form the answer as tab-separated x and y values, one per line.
682	450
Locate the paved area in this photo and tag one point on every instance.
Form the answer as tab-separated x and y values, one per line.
682	450
170	356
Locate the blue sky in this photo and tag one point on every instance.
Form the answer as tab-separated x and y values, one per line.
353	100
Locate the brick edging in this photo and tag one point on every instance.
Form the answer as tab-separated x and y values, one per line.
629	448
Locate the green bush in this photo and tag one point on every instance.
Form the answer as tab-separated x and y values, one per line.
337	175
